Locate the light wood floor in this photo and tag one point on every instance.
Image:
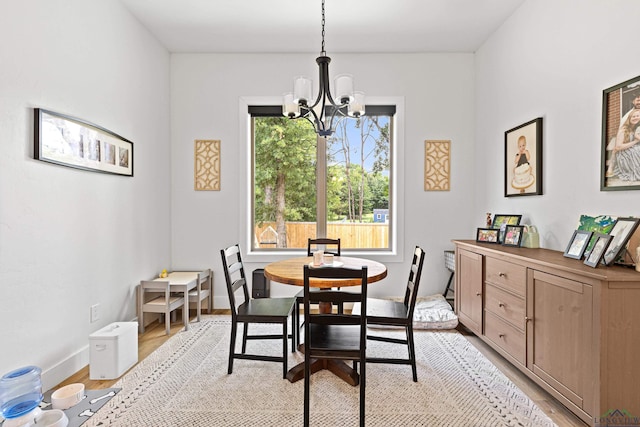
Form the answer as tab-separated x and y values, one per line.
154	336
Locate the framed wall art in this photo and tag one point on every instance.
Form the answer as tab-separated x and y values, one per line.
578	244
621	232
599	248
76	143
523	159
487	235
437	164
619	146
206	169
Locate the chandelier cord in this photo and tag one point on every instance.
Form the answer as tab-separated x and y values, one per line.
322	51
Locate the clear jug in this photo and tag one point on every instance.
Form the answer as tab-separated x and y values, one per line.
20	392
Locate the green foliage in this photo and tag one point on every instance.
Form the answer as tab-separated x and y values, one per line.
285	153
285	163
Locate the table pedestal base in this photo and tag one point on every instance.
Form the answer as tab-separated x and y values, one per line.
338	367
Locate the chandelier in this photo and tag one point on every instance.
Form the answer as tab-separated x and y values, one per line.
326	108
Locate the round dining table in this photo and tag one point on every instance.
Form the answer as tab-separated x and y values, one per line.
291	272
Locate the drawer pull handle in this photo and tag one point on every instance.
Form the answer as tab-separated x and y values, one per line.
501	335
501	304
502	274
527	319
478	294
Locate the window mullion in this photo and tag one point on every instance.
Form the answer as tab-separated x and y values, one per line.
321	187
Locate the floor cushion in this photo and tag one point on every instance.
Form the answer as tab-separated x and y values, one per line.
431	312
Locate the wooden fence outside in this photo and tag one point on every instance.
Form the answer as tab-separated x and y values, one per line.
352	235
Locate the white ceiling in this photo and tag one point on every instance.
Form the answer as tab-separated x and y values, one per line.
281	26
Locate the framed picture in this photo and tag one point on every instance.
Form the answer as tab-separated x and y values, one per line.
578	244
523	159
620	234
620	153
597	224
500	221
513	235
72	142
487	235
600	246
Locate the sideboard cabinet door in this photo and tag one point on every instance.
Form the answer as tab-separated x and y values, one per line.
469	279
560	350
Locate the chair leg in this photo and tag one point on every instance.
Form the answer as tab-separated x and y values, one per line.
363	381
285	356
307	392
297	329
232	349
294	338
412	352
245	332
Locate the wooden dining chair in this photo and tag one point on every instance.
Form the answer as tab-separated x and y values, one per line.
154	296
329	246
387	313
334	336
261	310
203	291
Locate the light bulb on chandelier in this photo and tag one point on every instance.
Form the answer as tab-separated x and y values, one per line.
326	108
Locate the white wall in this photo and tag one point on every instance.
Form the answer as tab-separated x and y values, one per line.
438	103
70	238
553	59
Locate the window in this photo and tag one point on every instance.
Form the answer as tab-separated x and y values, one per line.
305	186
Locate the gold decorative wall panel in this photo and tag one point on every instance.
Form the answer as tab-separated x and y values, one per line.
437	162
207	165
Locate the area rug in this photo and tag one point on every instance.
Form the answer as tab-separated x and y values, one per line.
185	383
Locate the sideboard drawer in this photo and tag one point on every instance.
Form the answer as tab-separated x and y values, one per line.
508	275
505	336
505	305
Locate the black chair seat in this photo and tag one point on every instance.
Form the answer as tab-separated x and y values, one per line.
266	309
338	338
386	312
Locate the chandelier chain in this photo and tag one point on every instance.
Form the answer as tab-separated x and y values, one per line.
323	52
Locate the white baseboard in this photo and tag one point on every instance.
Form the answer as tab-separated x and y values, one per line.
65	368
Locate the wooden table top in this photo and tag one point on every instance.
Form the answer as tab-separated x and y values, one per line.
290	271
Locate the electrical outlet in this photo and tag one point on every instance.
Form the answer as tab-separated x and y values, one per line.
95	313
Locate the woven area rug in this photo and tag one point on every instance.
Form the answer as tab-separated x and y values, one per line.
185	383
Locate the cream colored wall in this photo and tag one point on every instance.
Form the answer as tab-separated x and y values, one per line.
69	238
437	96
552	59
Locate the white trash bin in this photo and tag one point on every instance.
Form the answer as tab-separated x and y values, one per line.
113	350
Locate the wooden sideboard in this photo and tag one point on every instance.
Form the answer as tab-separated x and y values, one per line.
573	329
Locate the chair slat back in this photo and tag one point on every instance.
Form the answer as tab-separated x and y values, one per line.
413	282
334	297
234	276
316	244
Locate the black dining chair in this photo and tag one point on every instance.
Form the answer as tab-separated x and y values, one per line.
387	313
246	310
334	336
329	246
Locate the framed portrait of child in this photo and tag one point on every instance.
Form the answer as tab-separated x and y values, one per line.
523	159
